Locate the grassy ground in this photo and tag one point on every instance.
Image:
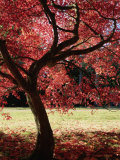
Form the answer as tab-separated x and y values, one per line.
96	120
84	133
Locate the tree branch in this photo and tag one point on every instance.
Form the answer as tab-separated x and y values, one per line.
70	52
62	7
52	20
110	50
85	41
11	65
47	59
86	73
22	69
35	67
8	76
65	30
75	38
25	57
107	18
56	54
93	30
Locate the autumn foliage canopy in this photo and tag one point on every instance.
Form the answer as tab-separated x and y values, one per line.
72	46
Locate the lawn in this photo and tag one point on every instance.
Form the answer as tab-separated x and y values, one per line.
84	134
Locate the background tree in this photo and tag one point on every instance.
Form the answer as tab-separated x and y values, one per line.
36	36
13	101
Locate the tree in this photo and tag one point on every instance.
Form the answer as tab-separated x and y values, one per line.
12	101
38	38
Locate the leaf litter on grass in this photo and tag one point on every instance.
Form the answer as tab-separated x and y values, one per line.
75	145
78	139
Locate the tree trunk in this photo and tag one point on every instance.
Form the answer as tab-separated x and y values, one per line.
45	142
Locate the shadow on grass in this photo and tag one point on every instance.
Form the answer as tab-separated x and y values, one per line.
88	146
69	146
14	146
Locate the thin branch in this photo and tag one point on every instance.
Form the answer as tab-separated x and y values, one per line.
115	40
10	88
70	52
11	65
56	54
22	69
1	63
23	10
110	50
86	73
52	20
62	7
96	33
19	57
35	67
48	59
85	41
65	30
107	18
8	76
75	38
114	8
25	57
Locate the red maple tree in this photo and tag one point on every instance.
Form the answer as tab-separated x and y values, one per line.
42	41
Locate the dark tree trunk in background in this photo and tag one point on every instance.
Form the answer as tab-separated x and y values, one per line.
45	142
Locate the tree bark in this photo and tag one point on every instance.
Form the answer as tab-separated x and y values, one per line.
44	148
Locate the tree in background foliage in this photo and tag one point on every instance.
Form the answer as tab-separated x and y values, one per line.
40	38
13	101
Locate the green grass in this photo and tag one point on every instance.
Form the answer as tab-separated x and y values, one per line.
81	119
95	133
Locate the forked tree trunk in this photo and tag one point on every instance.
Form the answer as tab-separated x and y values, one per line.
45	142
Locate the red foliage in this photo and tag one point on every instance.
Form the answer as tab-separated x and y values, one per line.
73	145
29	35
6	116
